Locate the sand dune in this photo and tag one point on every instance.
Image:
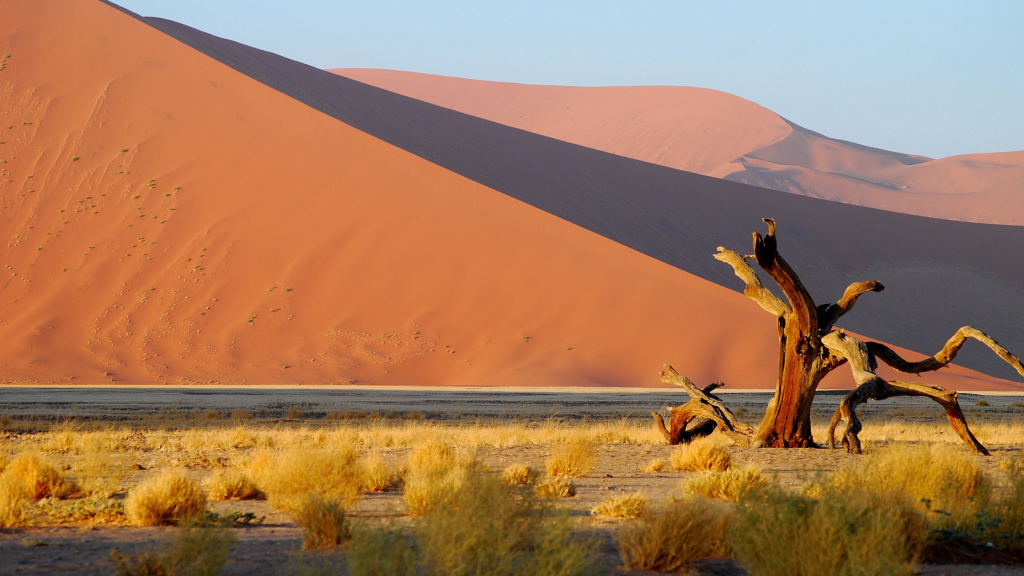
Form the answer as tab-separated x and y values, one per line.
940	275
721	135
168	219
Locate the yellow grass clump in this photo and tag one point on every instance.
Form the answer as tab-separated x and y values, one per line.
170	498
621	506
288	476
731	485
947	484
232	485
519	475
39	478
704	454
193	551
655	466
490	527
323	522
858	533
379	477
673	537
556	488
575	458
13	501
436	472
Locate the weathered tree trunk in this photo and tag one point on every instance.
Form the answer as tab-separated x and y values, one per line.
702	415
809	349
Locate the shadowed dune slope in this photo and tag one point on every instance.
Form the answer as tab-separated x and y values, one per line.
167	219
940	275
718	134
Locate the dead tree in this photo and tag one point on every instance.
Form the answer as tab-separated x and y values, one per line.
809	349
702	415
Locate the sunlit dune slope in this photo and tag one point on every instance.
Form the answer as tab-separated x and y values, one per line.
718	134
167	219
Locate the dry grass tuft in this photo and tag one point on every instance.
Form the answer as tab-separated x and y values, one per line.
379	477
621	506
704	454
39	478
856	533
493	528
14	502
382	552
170	498
323	522
436	472
575	458
192	552
288	476
672	537
232	485
731	485
556	488
655	466
519	475
948	485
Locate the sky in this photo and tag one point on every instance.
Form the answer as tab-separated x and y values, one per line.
932	78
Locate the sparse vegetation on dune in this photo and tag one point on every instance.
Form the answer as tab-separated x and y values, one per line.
289	476
194	551
573	457
731	485
675	535
621	506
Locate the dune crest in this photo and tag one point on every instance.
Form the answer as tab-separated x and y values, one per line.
167	219
718	134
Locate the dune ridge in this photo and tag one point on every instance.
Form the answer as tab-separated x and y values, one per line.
718	134
169	220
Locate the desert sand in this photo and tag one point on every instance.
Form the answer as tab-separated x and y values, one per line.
722	135
171	220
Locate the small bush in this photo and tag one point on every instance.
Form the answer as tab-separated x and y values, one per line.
701	455
982	403
192	552
574	458
232	485
13	502
436	473
849	534
288	477
947	485
730	485
39	478
621	506
490	528
672	537
556	488
323	522
655	466
170	498
379	477
519	475
382	552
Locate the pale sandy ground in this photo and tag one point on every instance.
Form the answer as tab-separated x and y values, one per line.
270	547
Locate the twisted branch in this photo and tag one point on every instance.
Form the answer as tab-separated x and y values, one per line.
704	410
946	355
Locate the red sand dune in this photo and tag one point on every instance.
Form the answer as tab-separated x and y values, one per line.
167	219
721	135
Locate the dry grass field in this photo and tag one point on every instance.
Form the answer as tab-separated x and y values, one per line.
561	484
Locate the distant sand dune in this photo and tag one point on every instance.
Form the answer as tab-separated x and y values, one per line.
165	218
718	134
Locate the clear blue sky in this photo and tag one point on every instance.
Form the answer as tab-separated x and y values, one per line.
932	78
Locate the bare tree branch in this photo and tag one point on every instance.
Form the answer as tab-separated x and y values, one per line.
829	314
872	387
754	289
800	301
704	411
946	355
